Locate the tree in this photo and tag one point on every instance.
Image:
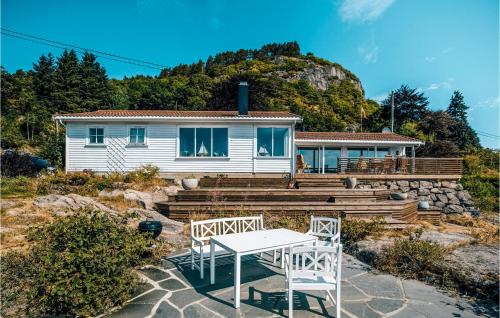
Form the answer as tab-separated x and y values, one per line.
409	105
95	91
67	83
464	136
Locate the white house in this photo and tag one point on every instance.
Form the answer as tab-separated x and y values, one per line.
210	141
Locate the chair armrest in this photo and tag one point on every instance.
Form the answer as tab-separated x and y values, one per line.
200	242
336	238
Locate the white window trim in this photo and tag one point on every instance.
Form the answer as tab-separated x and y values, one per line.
145	144
105	139
287	150
178	143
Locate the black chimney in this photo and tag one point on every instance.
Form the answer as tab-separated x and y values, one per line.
243	99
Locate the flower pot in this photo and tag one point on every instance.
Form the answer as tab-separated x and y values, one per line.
423	205
351	182
399	196
189	184
152	227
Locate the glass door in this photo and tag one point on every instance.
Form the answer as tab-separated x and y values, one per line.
331	160
311	159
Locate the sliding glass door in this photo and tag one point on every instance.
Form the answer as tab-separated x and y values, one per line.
331	160
311	159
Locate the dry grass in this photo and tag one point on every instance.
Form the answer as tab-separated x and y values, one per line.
481	230
118	203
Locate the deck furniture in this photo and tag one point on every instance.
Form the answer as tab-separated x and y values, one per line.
361	165
254	242
327	229
302	164
202	231
388	166
314	268
404	165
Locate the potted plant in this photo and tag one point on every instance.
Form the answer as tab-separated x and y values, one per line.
399	196
190	182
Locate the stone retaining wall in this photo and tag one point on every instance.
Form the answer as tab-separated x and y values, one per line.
449	196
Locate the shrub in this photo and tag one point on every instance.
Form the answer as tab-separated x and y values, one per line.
16	187
15	164
411	257
355	230
146	173
79	265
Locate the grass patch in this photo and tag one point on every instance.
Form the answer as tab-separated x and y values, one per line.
17	188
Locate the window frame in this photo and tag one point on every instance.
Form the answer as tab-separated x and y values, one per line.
195	157
288	145
136	144
104	139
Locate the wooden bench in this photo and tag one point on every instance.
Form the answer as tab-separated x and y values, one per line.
201	231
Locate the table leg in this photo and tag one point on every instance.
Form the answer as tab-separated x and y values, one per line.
212	262
237	273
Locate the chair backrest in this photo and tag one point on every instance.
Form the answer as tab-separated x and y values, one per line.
301	163
324	227
203	230
388	162
315	261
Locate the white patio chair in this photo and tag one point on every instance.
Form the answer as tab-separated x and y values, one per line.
314	268
326	229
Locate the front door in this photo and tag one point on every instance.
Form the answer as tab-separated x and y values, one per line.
311	158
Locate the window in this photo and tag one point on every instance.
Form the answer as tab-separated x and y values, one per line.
360	152
137	135
203	142
96	136
272	142
382	152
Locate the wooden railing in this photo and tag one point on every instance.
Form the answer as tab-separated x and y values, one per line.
401	165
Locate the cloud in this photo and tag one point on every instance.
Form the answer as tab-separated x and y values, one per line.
446	50
380	98
369	55
363	10
448	84
487	103
430	59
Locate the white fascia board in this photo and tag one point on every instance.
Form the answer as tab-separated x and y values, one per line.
176	119
353	142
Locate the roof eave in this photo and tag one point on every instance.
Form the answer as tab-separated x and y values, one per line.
341	141
165	118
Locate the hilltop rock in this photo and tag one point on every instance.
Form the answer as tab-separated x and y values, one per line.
62	204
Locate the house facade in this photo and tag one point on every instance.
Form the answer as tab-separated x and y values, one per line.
218	142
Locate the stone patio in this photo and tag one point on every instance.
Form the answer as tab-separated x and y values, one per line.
174	290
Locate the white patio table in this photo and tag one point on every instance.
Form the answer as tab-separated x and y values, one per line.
254	242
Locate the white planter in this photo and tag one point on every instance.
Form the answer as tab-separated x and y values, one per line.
351	182
399	196
189	184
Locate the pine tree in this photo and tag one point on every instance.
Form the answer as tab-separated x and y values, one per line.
457	108
409	105
67	80
464	136
95	91
43	82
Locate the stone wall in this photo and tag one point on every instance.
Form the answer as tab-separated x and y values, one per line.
449	196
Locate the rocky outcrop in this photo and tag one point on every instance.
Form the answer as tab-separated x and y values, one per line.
146	200
449	196
317	75
63	204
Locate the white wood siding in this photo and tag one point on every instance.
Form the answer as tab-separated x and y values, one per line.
161	139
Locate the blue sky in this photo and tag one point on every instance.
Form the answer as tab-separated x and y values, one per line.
436	46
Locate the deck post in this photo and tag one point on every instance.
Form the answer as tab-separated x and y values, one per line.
323	159
412	159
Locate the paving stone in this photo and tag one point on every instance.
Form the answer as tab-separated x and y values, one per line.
166	310
378	285
133	311
408	313
198	311
183	297
439	311
349	293
144	287
171	284
150	298
154	273
415	290
386	305
360	310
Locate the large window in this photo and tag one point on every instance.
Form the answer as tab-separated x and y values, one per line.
360	152
96	136
203	142
137	135
272	142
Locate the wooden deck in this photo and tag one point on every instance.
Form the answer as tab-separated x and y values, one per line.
381	177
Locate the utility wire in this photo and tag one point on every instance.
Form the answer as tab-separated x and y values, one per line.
83	50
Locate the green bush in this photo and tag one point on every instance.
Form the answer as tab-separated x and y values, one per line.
355	230
146	173
412	258
16	187
79	265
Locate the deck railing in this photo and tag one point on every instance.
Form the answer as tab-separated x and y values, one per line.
401	165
